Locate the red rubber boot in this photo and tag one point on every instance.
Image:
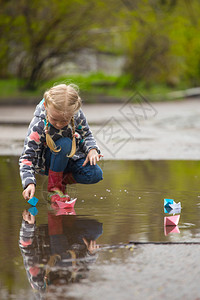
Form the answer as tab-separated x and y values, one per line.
68	179
55	181
56	187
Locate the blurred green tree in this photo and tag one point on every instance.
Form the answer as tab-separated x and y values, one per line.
44	33
163	44
159	39
5	21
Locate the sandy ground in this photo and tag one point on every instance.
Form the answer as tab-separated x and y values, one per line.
123	131
163	272
149	272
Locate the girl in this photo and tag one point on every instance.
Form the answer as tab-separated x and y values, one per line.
59	144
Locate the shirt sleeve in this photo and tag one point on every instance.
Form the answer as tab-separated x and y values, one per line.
29	251
88	141
33	145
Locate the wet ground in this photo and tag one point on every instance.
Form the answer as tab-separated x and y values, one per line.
139	130
128	204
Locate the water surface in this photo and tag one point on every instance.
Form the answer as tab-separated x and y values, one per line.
128	202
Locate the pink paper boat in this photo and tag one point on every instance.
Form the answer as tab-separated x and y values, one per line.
171	229
67	204
172	220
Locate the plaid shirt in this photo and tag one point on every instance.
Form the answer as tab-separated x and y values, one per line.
33	157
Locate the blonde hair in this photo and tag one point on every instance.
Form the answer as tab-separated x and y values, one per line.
65	99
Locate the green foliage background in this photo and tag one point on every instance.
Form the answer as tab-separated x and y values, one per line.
163	44
159	39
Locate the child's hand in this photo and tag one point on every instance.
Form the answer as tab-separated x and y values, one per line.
92	157
92	246
29	192
28	217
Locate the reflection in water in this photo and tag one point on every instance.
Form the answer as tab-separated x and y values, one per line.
59	252
129	203
33	210
171	229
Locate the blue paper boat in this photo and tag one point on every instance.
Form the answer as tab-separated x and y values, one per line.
171	207
167	202
33	201
167	210
33	211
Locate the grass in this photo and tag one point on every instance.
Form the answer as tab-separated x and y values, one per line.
93	87
10	88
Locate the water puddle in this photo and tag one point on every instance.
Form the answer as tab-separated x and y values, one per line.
97	238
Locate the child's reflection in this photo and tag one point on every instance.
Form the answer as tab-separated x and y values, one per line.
59	252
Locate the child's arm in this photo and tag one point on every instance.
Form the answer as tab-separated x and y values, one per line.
29	250
88	142
33	146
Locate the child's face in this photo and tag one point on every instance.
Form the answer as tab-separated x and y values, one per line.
58	119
